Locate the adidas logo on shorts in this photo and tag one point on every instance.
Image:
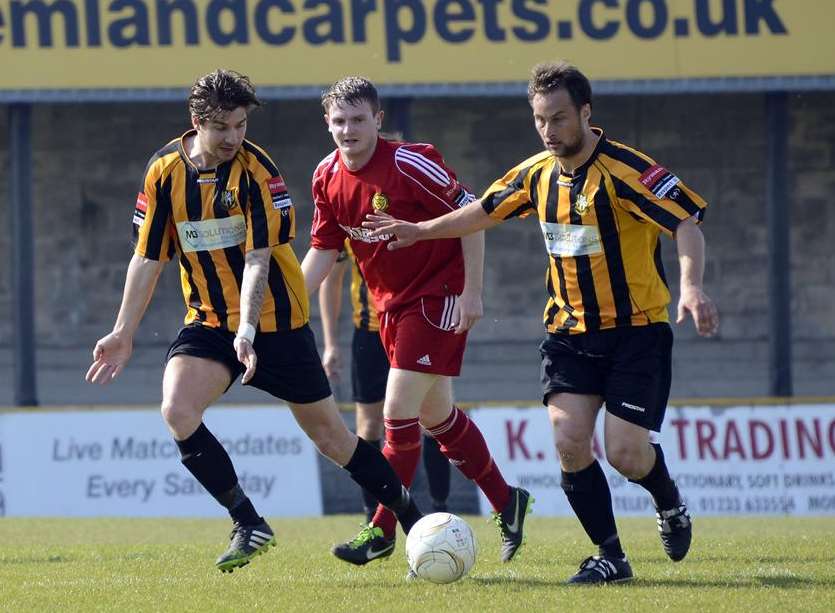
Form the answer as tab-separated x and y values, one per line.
425	361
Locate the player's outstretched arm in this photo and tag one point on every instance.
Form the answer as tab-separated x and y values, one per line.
316	265
113	351
330	305
253	286
462	222
469	307
690	243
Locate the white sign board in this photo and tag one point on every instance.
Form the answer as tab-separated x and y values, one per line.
125	463
744	460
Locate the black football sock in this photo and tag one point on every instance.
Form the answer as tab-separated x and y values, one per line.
370	469
659	484
206	459
369	501
437	472
589	496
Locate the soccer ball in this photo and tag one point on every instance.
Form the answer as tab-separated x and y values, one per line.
441	548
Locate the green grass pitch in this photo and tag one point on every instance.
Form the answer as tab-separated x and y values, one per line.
736	564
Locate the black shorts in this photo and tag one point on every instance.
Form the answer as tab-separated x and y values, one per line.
369	367
629	367
289	366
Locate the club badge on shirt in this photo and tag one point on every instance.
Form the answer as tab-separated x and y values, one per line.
582	205
379	202
229	198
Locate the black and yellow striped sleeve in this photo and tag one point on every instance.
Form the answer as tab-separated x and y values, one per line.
271	218
152	225
514	195
649	190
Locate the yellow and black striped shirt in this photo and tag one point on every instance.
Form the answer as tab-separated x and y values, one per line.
601	227
210	219
364	313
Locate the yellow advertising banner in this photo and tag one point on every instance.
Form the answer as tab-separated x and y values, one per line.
107	44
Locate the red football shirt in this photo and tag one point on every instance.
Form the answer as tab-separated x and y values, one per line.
406	180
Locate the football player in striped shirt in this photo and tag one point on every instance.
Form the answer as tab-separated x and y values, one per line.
427	299
602	207
218	202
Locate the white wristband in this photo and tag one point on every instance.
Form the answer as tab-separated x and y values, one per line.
246	330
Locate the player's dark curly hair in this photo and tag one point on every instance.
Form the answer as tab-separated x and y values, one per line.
219	91
353	90
550	76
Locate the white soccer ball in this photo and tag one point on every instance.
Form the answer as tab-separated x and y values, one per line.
441	548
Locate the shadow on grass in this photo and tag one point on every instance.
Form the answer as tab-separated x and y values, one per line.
749	559
786	583
745	583
517	581
51	559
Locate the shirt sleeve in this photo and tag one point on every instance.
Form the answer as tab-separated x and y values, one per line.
434	183
271	217
152	225
511	196
326	233
657	195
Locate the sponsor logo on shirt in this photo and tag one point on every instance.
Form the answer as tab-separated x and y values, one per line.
569	240
140	209
141	203
456	194
453	190
363	234
210	234
280	197
282	202
658	180
277	185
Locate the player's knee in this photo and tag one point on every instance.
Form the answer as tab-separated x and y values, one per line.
628	460
573	450
182	421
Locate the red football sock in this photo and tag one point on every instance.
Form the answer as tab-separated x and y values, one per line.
402	450
462	442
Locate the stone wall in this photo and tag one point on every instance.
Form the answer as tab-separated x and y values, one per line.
88	160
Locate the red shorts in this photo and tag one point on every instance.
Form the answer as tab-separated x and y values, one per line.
419	337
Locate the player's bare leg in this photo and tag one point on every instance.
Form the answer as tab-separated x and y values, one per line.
189	385
573	417
629	451
323	425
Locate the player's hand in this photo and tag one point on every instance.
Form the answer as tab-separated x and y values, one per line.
110	355
467	311
332	363
694	301
381	224
246	356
